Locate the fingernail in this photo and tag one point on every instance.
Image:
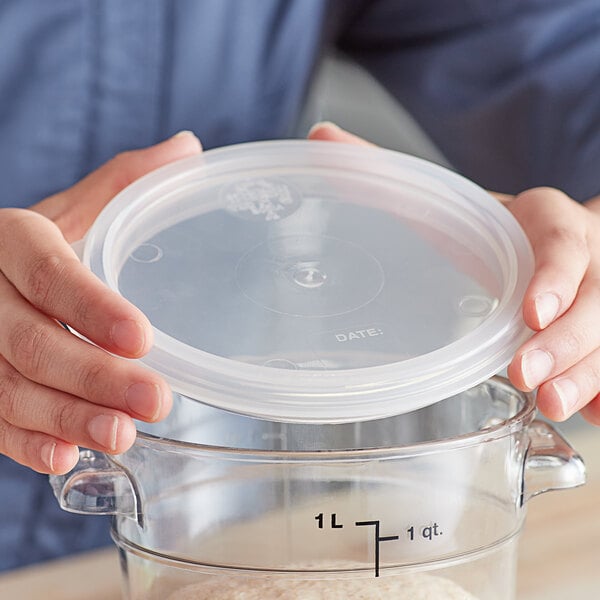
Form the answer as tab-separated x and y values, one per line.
144	399
186	133
568	394
103	430
546	308
321	124
48	454
128	336
536	366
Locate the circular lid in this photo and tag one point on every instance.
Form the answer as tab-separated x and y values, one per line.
313	281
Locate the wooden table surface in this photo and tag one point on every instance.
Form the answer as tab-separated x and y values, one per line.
559	556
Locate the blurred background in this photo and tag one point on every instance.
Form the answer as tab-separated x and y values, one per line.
345	93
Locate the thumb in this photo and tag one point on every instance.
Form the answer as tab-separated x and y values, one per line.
330	132
75	209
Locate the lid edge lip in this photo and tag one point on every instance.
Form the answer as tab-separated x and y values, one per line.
179	170
167	174
264	389
265	403
519	421
515	329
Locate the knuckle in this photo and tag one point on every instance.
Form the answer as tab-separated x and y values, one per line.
64	420
28	447
9	385
93	379
18	445
532	198
80	311
572	343
559	235
10	218
29	345
545	191
120	170
44	279
590	376
7	441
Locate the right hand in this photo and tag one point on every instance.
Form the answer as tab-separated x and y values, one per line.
58	391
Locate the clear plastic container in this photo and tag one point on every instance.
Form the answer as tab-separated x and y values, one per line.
215	506
328	317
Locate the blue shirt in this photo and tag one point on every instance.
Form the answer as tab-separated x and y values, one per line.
508	89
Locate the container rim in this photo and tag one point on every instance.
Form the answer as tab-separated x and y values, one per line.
520	420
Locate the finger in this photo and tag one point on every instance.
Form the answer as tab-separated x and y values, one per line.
47	354
330	132
569	340
93	192
557	229
39	451
503	198
47	273
36	408
573	390
591	412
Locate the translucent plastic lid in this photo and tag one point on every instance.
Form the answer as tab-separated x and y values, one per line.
313	281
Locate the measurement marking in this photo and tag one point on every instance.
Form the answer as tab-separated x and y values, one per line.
378	539
334	524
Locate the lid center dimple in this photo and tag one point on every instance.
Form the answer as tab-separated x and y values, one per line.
308	274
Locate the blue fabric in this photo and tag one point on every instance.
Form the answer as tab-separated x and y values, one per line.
32	525
509	90
83	80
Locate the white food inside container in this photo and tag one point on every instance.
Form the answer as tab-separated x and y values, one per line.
418	586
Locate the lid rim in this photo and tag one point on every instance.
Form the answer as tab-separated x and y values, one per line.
270	392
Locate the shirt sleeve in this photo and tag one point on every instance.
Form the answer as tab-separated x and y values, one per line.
509	90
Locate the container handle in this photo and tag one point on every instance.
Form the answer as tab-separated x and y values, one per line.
551	463
96	486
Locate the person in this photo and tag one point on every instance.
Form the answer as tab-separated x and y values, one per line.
508	90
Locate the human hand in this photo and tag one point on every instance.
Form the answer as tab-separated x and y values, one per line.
562	301
561	304
56	390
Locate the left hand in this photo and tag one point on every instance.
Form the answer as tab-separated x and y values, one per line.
562	301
